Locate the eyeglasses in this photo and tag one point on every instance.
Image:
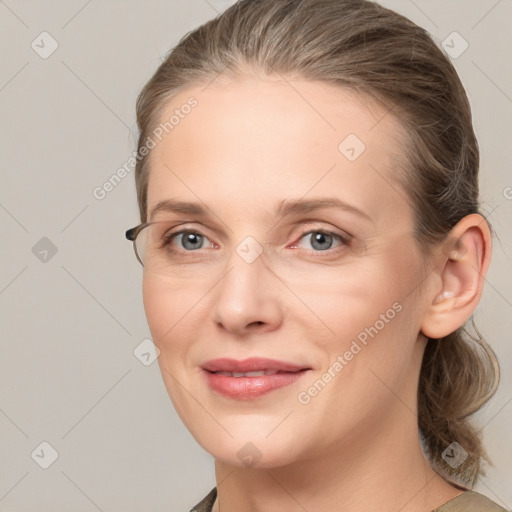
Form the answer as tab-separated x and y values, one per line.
132	234
152	244
150	240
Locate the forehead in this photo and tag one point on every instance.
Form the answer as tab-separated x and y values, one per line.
253	143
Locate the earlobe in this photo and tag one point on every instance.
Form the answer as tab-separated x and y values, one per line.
463	262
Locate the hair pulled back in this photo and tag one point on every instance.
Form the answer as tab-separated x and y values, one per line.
364	47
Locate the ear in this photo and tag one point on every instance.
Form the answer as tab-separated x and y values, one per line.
463	262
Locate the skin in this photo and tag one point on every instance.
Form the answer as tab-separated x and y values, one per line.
249	145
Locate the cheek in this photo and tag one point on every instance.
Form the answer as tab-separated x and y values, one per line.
368	329
369	315
346	301
375	317
168	306
169	302
157	306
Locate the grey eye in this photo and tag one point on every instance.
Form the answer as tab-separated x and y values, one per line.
190	240
320	241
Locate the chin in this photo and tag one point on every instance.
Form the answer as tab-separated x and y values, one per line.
255	454
247	443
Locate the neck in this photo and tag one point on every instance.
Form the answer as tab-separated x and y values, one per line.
385	470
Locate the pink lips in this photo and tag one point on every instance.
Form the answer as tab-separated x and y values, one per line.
250	378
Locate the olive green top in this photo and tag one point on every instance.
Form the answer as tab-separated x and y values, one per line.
468	501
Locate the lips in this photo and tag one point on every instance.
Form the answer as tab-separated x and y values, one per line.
257	373
251	365
250	378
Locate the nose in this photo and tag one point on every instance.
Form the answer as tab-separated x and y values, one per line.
248	297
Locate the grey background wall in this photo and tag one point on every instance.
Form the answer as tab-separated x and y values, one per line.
71	370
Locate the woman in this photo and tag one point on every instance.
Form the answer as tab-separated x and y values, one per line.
312	249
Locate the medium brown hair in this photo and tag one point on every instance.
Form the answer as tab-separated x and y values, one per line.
362	46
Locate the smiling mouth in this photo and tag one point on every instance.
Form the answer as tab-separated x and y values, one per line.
252	364
251	378
257	373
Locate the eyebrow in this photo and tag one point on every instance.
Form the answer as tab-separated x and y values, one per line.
283	209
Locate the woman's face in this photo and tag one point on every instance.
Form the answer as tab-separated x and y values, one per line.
303	255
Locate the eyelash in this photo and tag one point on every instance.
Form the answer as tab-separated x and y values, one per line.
345	242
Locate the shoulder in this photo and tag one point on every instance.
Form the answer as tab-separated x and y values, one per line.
206	504
470	501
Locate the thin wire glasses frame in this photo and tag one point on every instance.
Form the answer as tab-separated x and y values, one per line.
132	233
